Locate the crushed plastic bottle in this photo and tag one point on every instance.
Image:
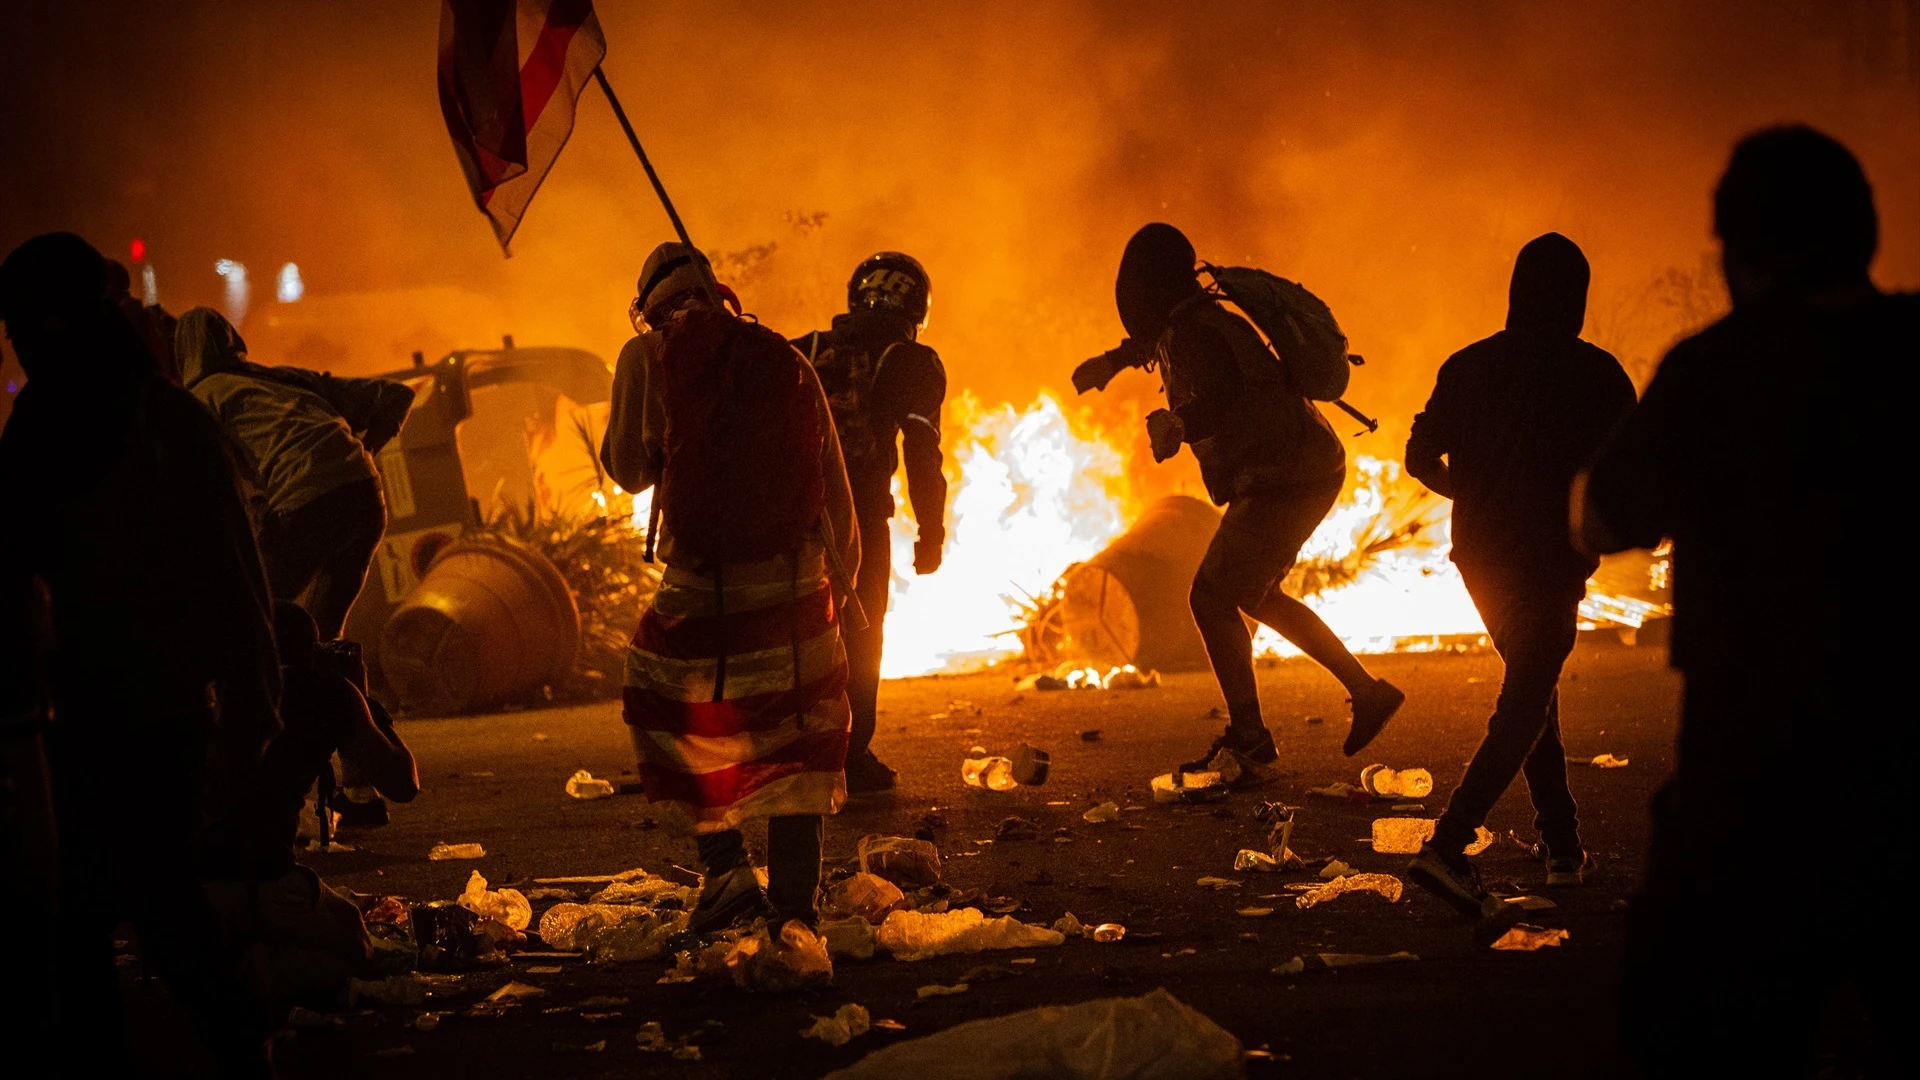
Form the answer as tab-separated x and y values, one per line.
1259	862
1386	783
509	906
1102	814
1403	836
442	852
992	773
584	785
1107	932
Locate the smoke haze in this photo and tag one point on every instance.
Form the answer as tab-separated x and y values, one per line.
1391	156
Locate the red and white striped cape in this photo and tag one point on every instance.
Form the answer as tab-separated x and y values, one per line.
736	688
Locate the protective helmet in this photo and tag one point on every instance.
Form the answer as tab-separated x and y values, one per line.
893	283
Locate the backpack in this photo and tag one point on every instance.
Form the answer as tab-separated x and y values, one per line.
1298	325
741	478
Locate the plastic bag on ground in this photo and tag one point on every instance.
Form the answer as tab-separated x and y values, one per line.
640	887
1383	884
1525	937
851	936
584	785
1151	1037
1403	836
610	932
757	960
848	1023
911	935
992	773
903	860
507	905
869	896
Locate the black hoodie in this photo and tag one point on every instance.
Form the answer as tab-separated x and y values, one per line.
1515	416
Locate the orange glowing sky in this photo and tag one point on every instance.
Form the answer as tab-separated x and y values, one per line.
1390	155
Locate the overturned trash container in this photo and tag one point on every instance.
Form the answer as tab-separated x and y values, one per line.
490	621
1128	604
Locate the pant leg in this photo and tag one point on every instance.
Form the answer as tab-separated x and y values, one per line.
359	515
793	865
864	645
1555	814
1534	630
721	851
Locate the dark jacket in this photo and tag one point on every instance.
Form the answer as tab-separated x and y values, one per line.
886	396
1515	416
1252	433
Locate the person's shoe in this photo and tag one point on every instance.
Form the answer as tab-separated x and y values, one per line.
1254	746
1563	871
1455	880
865	772
728	898
358	813
1372	708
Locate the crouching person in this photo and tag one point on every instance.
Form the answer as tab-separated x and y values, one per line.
299	941
736	689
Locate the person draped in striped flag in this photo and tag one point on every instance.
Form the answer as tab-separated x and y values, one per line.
736	678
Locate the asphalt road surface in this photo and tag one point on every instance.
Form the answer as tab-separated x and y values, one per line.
498	780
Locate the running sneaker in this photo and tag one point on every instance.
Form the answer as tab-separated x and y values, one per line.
865	772
727	898
1255	747
1372	708
1563	871
1455	880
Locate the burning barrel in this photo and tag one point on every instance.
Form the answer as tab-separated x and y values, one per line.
1128	604
489	621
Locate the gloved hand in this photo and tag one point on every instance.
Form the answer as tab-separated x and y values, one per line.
1166	432
927	552
1096	373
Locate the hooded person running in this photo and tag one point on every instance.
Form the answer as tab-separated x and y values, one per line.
1511	419
1265	453
736	690
310	440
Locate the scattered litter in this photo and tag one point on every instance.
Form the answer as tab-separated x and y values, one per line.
1531	903
545	969
1068	925
1154	1036
1601	761
1016	828
1403	836
1526	937
1107	932
900	859
1247	860
1408	807
1348	959
583	785
913	935
1024	960
851	936
1090	735
848	1023
1334	869
506	905
868	896
992	773
515	991
1001	905
756	960
1190	787
443	852
407	988
889	1025
1386	783
1383	884
1102	814
1335	790
611	933
1292	967
427	1021
1253	912
937	990
1031	765
1217	883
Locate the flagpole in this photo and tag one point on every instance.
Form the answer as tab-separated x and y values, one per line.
620	114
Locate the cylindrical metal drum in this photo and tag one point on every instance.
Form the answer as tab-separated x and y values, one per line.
1128	604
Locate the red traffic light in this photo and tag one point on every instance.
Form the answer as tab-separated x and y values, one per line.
138	249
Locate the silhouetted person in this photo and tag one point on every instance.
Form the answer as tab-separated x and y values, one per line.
300	942
309	439
1265	453
886	390
1511	419
1770	448
152	322
123	507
